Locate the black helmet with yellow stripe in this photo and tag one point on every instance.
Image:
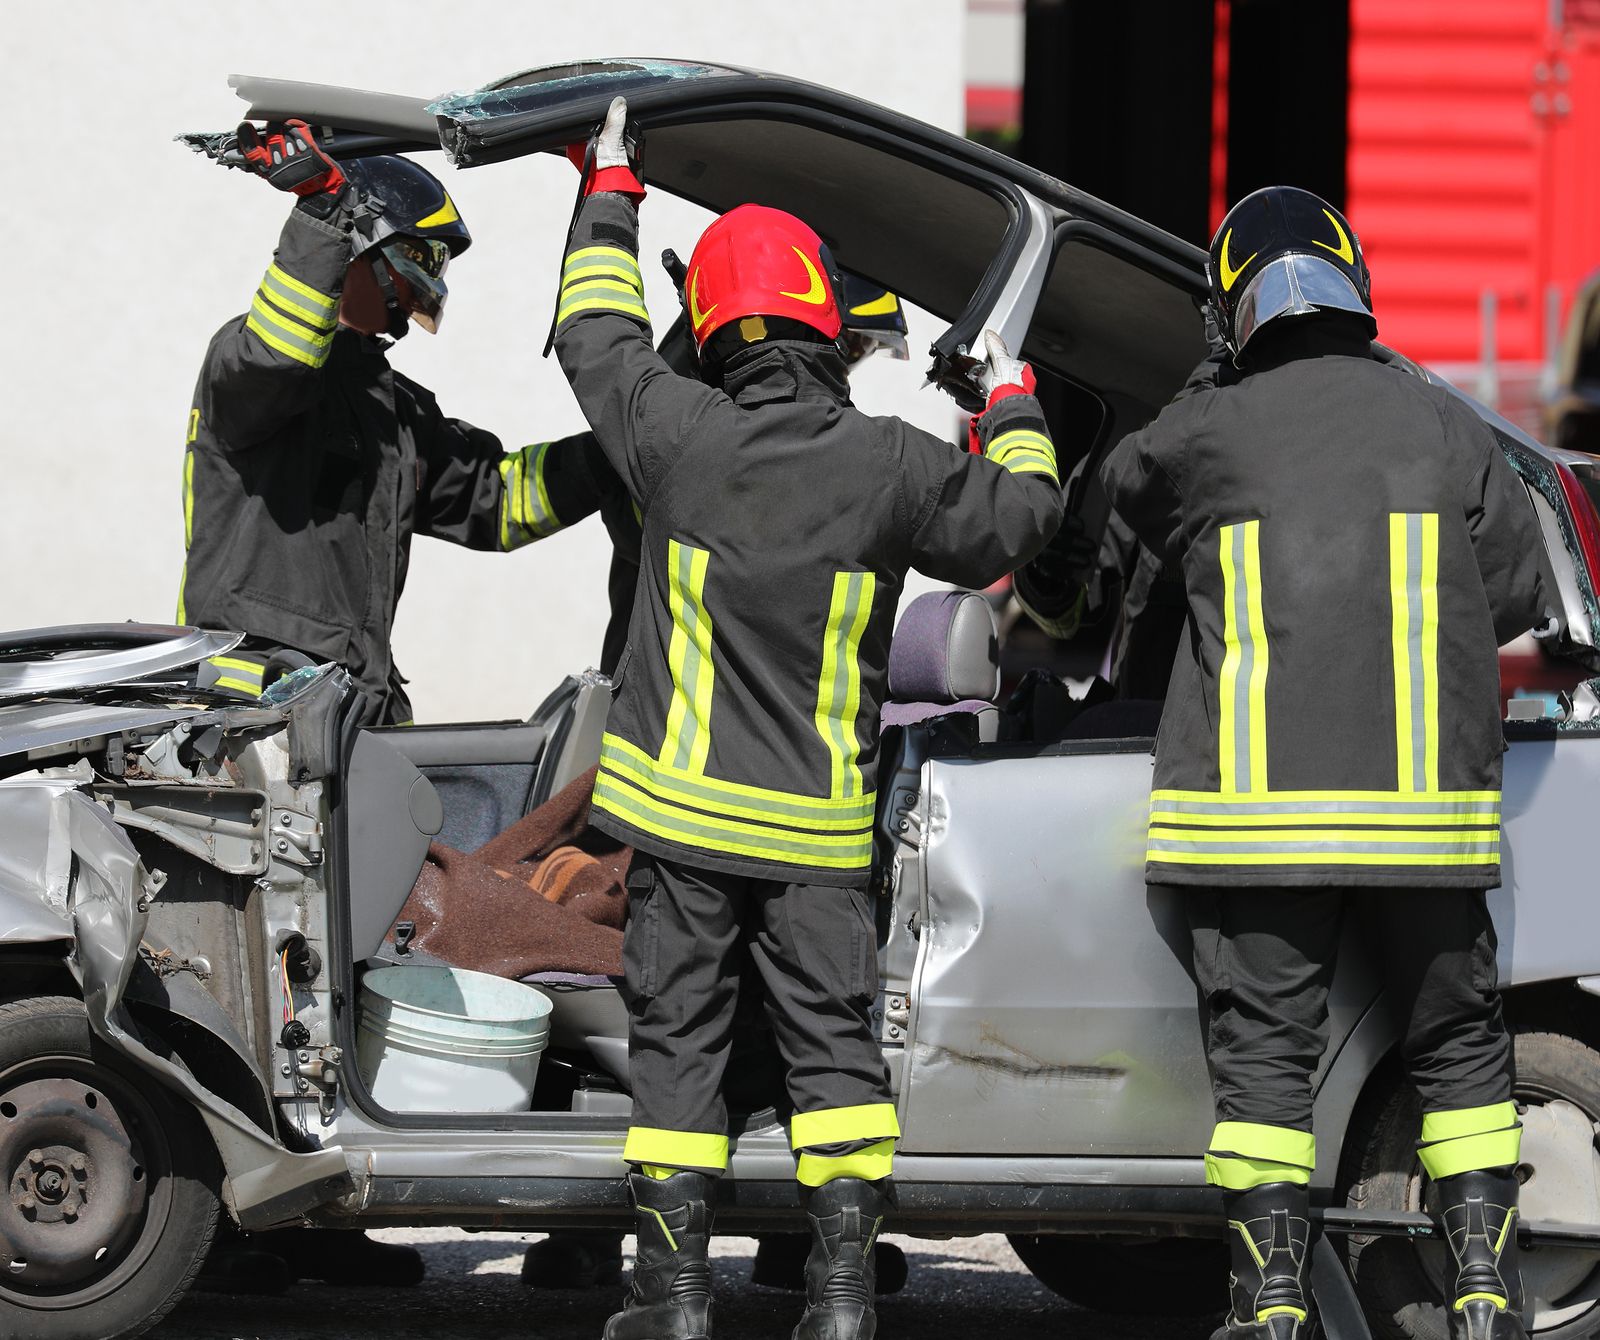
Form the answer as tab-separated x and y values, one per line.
871	318
1283	252
407	225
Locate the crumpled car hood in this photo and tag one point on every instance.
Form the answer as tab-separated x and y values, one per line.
37	661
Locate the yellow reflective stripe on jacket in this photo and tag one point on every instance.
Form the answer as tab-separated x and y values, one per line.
238	673
283	290
836	1125
525	511
1235	802
289	338
871	1164
601	279
1414	605
1325	827
1024	451
1242	684
624	260
839	687
675	1149
628	306
786	845
324	304
188	517
682	787
688	734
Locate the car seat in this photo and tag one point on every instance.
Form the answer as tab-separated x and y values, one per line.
945	658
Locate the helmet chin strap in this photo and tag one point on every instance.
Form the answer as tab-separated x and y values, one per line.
398	321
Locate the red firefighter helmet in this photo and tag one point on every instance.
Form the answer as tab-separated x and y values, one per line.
756	261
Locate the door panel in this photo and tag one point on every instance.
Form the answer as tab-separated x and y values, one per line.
1054	1012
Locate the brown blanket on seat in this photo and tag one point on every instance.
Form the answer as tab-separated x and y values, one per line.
546	895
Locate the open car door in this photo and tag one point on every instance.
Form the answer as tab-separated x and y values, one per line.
961	232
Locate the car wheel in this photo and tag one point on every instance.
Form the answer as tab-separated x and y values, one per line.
1401	1284
109	1200
1162	1277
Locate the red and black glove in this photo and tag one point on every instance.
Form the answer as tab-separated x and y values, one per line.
287	155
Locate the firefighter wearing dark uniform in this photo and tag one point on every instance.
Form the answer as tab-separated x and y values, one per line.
311	463
740	755
872	320
1354	548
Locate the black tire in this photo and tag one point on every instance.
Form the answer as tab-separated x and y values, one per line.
1400	1283
1164	1277
110	1185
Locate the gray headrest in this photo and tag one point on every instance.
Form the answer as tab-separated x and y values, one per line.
945	649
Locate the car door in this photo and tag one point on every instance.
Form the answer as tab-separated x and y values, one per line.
934	218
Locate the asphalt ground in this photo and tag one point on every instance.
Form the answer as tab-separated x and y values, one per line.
967	1287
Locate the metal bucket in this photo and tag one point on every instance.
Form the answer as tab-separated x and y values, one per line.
448	1040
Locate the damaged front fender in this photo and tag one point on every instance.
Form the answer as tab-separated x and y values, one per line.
89	878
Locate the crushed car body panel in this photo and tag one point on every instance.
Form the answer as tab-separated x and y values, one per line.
49	660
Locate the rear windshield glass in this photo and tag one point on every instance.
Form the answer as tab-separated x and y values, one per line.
551	85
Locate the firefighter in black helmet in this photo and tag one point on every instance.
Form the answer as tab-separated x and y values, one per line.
311	463
1354	548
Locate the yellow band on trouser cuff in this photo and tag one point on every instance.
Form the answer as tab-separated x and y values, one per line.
1247	1154
676	1149
835	1125
871	1164
1299	1313
1469	1153
1459	1121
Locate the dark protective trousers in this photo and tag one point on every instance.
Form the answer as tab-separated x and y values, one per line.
1265	958
813	950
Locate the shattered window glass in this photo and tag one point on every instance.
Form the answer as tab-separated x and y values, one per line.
550	85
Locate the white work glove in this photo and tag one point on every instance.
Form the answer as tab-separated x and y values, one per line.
998	367
610	150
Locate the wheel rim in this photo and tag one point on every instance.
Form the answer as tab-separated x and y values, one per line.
1560	1173
87	1188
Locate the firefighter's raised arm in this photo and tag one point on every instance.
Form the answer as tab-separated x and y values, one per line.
263	367
976	518
639	409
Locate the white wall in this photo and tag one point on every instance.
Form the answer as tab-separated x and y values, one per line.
125	253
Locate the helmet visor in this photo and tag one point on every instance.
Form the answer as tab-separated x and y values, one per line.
862	343
421	262
1293	285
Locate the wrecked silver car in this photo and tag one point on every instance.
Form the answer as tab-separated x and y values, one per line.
195	891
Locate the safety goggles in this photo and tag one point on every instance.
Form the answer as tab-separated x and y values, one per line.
1293	285
421	262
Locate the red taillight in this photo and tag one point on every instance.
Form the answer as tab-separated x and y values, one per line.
1584	519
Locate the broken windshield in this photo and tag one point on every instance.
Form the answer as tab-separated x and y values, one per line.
550	85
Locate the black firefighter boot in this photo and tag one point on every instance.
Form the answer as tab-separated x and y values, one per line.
670	1298
1479	1213
1269	1238
845	1216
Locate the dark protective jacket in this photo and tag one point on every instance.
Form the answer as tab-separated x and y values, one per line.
1354	547
779	523
311	463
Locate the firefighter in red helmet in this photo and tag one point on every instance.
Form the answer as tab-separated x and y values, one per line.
740	755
